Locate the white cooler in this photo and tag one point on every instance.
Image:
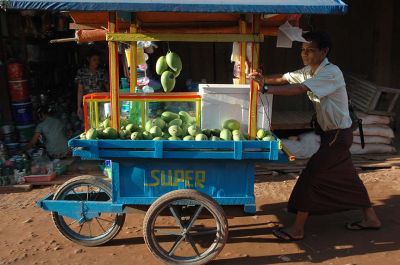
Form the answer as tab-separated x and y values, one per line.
221	102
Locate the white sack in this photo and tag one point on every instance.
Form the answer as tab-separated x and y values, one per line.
372	140
372	149
376	130
373	119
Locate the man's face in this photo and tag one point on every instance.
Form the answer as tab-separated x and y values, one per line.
94	61
312	55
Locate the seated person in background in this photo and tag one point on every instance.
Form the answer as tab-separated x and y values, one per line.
53	132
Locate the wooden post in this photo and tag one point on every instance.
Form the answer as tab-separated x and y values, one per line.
252	131
133	59
114	72
243	49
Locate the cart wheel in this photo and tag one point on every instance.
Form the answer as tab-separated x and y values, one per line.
87	232
185	227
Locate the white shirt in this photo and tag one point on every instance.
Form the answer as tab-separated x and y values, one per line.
327	92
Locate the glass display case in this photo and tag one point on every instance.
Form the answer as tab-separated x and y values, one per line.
138	108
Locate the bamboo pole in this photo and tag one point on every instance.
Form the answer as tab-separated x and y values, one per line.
184	37
252	131
114	73
133	59
243	48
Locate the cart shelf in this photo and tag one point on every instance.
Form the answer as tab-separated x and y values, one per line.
235	150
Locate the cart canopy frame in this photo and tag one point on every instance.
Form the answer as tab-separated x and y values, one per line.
206	6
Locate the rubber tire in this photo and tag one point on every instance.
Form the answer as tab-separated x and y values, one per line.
187	194
101	183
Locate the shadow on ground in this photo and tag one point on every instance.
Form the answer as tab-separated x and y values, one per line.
326	236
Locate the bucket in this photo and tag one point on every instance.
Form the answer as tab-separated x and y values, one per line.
18	90
9	138
7	129
22	113
25	132
15	71
12	148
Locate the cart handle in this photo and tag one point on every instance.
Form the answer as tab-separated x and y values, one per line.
289	154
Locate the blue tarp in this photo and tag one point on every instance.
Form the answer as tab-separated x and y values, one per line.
213	6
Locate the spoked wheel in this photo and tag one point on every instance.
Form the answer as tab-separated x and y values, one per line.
185	227
87	231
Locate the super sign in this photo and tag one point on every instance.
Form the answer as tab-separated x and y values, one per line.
172	178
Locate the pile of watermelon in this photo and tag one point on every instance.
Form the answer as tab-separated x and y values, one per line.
173	126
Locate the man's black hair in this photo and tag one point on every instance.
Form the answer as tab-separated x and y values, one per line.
320	38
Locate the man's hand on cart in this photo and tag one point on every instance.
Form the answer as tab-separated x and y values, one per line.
259	78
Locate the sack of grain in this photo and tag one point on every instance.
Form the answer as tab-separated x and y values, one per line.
373	119
373	140
376	130
372	149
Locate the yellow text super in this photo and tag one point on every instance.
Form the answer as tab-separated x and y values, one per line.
172	178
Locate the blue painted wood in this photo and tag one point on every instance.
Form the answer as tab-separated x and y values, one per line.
140	182
235	150
79	209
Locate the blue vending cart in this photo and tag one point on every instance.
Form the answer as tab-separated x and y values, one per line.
181	185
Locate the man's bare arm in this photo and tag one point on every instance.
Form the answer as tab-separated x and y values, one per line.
275	80
287	90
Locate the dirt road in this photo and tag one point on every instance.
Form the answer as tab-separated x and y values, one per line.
28	236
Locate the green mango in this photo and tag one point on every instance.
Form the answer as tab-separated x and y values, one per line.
82	136
215	138
168	116
165	135
110	133
91	134
184	116
168	81
177	122
148	125
161	65
175	130
185	128
269	138
174	61
237	137
231	125
226	135
193	130
236	132
147	135
158	122
131	127
201	137
158	139
156	131
174	138
136	136
176	73
188	138
261	133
